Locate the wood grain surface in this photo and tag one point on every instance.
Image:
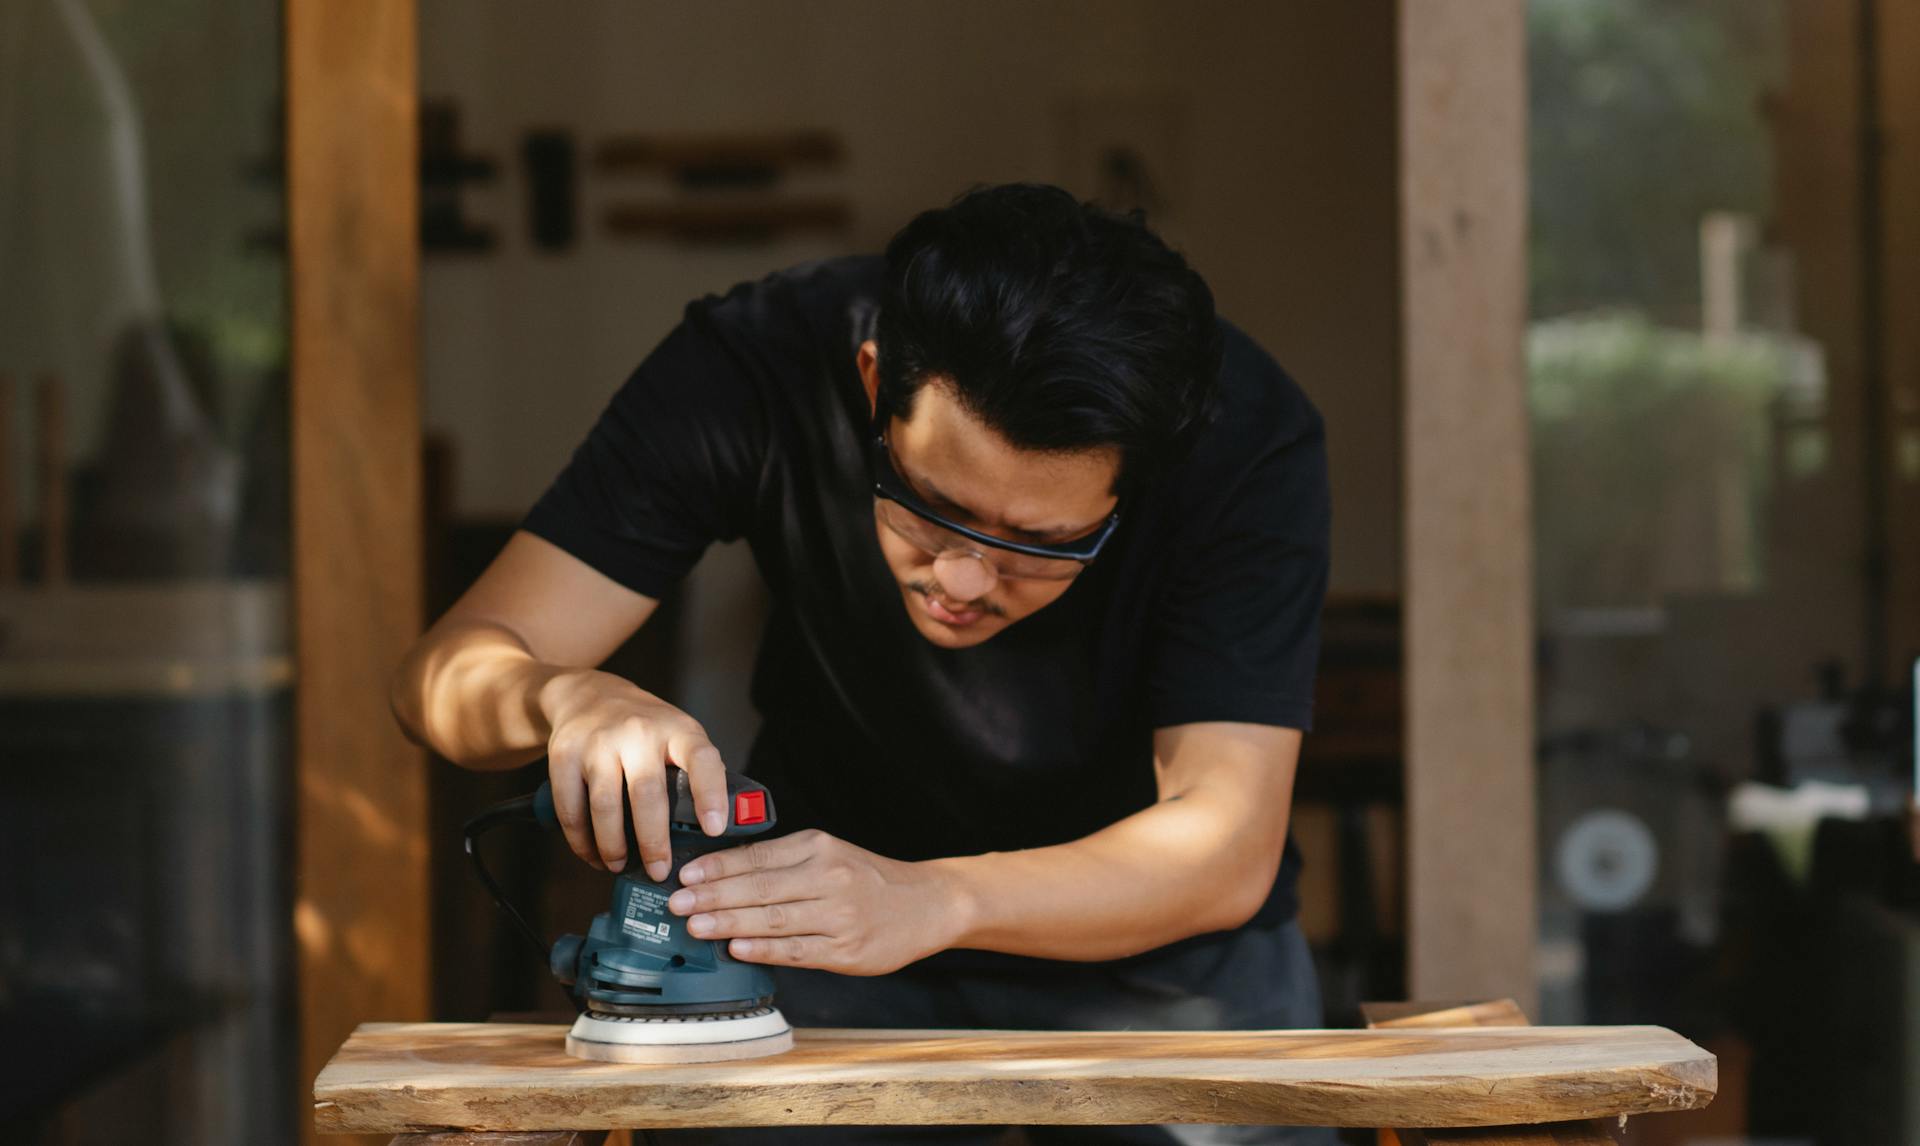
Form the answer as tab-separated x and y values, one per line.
1488	1013
396	1077
1482	1013
505	1138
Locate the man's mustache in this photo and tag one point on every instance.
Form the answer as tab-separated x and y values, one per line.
926	589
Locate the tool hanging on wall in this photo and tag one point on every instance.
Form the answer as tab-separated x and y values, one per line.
647	990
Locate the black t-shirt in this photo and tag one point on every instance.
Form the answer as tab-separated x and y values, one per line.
749	421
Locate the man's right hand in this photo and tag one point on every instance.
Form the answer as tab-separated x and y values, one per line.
507	672
611	744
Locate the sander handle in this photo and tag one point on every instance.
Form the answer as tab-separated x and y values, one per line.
749	813
749	808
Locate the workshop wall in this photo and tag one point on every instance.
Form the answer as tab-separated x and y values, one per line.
1284	206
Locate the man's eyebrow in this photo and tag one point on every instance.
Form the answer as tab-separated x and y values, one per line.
932	493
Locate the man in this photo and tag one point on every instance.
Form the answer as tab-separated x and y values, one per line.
1046	543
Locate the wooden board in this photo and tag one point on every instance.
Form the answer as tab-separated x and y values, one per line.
506	1138
394	1077
1483	1013
1489	1013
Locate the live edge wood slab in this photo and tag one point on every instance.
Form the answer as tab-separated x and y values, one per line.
399	1077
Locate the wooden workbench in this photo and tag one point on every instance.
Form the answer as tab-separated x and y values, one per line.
410	1077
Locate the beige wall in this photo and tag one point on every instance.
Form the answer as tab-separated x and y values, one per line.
1285	201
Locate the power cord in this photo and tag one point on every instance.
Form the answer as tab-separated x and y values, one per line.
515	811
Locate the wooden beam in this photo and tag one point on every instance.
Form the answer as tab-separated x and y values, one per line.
1468	543
408	1076
361	906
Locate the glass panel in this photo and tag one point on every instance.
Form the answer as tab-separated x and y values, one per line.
144	644
1724	744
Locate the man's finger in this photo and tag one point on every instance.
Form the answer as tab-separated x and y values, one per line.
748	889
647	794
759	855
607	804
570	808
789	950
707	775
802	918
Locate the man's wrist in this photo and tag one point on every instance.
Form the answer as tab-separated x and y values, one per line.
552	691
960	899
562	690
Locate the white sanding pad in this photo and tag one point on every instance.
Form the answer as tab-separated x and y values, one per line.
683	1038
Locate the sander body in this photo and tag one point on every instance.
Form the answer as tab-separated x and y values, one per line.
646	989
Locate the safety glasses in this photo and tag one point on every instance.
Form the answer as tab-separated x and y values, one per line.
910	518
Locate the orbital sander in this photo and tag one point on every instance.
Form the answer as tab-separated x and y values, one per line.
648	991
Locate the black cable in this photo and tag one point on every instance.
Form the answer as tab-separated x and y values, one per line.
512	811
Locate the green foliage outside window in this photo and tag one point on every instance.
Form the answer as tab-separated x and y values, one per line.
1653	457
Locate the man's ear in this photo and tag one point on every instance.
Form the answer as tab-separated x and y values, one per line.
869	362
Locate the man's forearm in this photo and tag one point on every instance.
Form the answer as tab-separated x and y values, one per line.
473	694
1159	875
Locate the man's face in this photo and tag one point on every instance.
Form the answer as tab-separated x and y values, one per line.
970	475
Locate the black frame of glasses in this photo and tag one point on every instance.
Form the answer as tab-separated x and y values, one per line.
888	484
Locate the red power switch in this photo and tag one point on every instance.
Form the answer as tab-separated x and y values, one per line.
749	807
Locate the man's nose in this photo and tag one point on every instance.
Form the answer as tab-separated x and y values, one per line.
964	576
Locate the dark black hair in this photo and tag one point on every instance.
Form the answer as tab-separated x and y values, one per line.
1060	325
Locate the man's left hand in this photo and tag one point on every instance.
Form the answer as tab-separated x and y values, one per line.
813	900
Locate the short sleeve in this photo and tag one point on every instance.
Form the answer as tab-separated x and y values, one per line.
672	465
1237	631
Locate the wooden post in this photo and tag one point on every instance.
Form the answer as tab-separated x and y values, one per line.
1468	541
361	914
